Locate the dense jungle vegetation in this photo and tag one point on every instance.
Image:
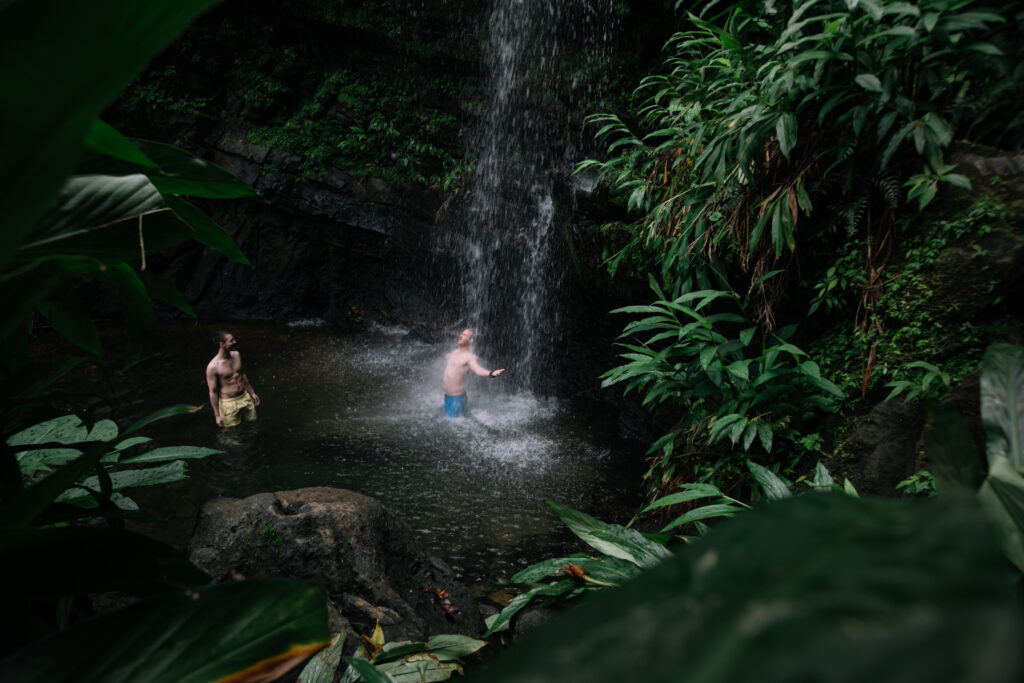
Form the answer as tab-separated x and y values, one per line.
799	218
793	185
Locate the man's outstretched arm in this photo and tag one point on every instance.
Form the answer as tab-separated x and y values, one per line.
480	370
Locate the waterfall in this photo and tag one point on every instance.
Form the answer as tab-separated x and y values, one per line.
539	53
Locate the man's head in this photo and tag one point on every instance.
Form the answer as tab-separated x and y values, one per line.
224	339
466	338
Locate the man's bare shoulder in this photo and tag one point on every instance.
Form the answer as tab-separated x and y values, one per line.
460	356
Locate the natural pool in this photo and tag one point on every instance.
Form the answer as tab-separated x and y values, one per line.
364	412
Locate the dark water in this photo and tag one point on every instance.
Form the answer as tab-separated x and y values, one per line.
365	413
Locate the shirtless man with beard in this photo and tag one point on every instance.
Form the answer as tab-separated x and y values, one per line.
231	396
460	362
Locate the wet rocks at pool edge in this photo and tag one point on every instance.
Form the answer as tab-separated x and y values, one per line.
369	562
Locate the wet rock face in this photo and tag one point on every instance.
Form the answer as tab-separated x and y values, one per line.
330	248
367	559
882	448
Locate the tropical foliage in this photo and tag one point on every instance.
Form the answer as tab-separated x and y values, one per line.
624	554
768	595
81	199
378	661
123	466
771	110
724	377
816	587
773	157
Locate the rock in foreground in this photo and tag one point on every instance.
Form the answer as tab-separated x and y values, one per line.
367	559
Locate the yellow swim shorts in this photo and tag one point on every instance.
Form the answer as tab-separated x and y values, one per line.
237	409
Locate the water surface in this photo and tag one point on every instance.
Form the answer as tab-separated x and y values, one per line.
365	413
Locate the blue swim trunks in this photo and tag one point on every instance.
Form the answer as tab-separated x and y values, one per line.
454	406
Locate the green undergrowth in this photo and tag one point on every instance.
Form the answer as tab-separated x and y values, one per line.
364	125
943	303
403	119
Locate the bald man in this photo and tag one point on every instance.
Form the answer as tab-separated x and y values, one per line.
460	362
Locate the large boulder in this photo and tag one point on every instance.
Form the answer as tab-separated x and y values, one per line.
367	559
882	448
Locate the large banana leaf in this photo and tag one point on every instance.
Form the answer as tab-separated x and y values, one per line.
242	631
90	202
1002	402
813	588
952	454
1002	495
63	62
1002	412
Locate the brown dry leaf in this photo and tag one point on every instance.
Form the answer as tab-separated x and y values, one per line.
576	571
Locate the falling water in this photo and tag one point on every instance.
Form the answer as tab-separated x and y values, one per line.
536	50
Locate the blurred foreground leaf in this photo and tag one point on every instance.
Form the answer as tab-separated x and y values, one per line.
250	630
813	588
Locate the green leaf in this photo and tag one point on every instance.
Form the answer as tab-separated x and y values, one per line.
51	98
205	230
29	504
786	132
822	478
740	369
367	671
182	173
45	459
1002	496
869	82
71	320
765	434
448	646
421	668
774	487
985	48
702	513
85	251
104	140
66	429
608	569
814	588
707	491
275	625
611	539
139	318
170	453
88	202
148	476
1002	402
707	355
952	455
161	288
323	665
522	600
